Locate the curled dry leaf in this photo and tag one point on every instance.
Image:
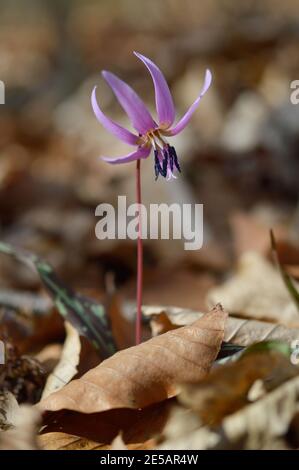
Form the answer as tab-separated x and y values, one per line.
76	357
66	369
161	323
147	373
229	388
256	291
238	331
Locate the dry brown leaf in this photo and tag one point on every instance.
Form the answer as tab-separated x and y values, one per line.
245	332
227	388
66	369
237	330
62	441
259	423
161	324
67	430
256	291
147	373
77	356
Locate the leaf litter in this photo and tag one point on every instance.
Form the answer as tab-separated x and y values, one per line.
246	394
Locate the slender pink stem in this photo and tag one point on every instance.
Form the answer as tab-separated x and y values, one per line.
139	257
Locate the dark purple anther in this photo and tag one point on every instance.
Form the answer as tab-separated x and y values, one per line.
175	158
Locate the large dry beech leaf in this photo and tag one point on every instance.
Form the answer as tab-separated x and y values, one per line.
239	331
147	373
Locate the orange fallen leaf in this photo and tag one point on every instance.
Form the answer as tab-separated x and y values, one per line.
147	373
160	324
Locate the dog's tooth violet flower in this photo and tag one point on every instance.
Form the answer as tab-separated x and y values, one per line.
151	135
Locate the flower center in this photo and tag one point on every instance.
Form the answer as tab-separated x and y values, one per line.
166	159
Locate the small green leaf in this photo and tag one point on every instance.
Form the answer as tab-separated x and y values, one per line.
264	346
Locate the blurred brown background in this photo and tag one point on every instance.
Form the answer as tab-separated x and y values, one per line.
239	156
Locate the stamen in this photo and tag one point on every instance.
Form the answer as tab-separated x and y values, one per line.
165	163
170	159
158	168
157	164
166	158
175	158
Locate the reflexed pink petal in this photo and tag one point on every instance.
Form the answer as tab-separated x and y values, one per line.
111	126
186	118
141	152
164	102
131	103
